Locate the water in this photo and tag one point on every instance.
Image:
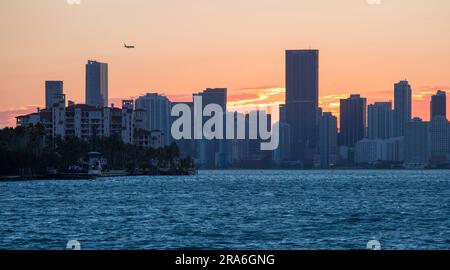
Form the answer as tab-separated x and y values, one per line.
231	210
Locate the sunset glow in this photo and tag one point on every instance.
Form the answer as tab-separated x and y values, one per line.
183	47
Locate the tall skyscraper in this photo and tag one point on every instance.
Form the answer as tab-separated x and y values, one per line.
439	138
53	92
353	120
97	84
402	107
302	100
328	140
438	104
157	110
381	118
213	153
417	143
283	152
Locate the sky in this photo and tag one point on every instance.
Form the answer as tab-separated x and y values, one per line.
183	47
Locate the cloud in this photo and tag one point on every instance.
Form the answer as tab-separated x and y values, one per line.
73	2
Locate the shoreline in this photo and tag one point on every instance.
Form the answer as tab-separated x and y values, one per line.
6	179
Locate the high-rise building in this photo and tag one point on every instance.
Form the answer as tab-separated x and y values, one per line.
439	138
438	104
380	120
212	153
402	107
186	145
302	100
328	140
417	143
283	152
53	92
353	120
97	84
59	116
157	110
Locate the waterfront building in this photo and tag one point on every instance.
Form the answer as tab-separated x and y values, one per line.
302	102
352	120
402	107
328	140
380	120
96	84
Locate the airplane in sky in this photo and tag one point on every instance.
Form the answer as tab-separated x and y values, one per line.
128	46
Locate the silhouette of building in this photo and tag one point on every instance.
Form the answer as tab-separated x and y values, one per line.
417	143
380	120
302	99
187	146
253	123
283	152
438	104
439	139
328	140
212	153
157	113
402	107
53	91
97	84
352	120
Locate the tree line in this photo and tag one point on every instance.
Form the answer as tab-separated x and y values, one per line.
29	148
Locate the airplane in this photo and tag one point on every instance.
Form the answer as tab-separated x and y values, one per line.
128	46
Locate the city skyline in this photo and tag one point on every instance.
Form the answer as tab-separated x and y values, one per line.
359	54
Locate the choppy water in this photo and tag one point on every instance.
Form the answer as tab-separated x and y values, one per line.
232	210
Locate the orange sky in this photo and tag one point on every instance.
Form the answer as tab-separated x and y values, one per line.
185	46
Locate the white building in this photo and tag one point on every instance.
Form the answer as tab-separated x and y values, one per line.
157	110
369	151
59	115
127	121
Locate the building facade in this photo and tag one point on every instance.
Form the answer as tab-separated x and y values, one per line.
380	120
352	120
328	140
417	143
302	102
96	84
402	107
157	113
53	91
438	106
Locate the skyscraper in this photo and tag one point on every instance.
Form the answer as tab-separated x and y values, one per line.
381	118
353	120
438	105
439	138
157	114
302	100
402	107
328	140
417	143
53	92
213	153
97	84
